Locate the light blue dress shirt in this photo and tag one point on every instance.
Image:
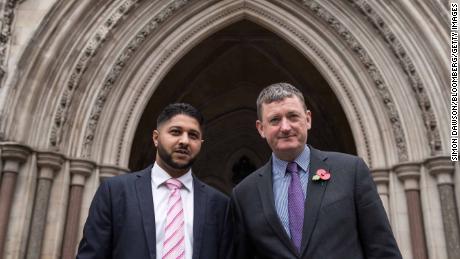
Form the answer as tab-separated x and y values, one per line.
281	181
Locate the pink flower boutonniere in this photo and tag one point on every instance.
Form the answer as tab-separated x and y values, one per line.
321	175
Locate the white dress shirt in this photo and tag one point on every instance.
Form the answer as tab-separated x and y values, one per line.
160	203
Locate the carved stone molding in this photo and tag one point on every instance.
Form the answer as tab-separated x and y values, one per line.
5	33
80	170
90	49
409	173
409	68
119	64
15	152
50	163
381	178
382	89
442	168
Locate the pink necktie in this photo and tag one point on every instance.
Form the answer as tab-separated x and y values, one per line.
174	244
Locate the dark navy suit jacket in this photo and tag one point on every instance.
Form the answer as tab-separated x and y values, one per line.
121	220
344	216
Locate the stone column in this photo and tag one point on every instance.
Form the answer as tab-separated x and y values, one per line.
382	178
443	169
409	174
13	156
48	163
79	170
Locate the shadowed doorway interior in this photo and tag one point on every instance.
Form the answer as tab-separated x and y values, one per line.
222	77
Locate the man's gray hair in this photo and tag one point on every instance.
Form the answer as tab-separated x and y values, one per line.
277	92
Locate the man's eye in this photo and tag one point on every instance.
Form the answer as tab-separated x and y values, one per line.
194	136
293	116
274	120
175	132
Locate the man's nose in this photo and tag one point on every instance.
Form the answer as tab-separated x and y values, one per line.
285	125
184	139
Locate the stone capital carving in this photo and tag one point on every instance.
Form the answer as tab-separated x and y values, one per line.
80	169
107	171
409	173
14	155
49	163
381	178
442	168
15	151
381	175
49	159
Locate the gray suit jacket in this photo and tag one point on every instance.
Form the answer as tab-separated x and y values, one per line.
121	220
344	216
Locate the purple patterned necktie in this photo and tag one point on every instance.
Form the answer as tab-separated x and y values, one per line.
295	205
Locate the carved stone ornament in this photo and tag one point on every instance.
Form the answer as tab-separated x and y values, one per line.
6	21
408	67
116	70
90	49
372	70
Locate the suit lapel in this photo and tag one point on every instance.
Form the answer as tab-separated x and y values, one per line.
200	204
265	186
315	194
144	195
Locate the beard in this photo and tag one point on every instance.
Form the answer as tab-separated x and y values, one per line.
167	158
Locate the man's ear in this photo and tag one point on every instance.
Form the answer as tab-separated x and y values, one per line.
260	128
155	136
308	113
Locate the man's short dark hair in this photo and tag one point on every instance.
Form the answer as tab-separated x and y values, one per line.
277	92
174	109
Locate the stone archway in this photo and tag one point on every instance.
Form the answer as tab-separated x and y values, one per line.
222	76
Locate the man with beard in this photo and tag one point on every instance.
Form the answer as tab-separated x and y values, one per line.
163	211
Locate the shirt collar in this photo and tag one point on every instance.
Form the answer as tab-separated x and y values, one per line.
303	160
160	176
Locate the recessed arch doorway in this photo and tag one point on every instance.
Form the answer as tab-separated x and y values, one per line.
222	77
